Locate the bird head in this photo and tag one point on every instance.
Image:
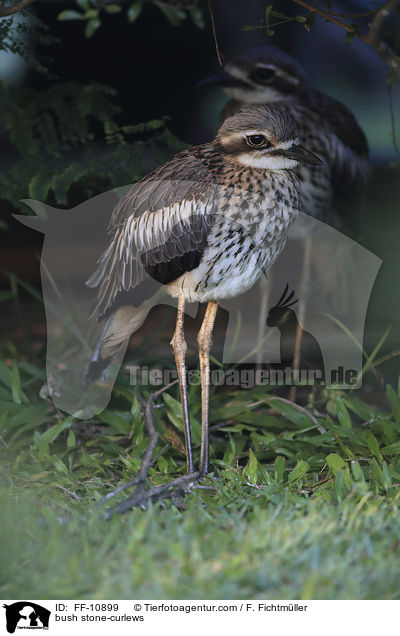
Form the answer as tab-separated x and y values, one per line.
260	74
263	137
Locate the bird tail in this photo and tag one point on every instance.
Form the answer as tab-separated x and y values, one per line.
120	325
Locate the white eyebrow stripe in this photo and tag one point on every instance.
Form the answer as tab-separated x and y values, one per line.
269	67
284	145
248	133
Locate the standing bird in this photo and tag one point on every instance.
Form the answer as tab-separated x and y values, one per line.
206	225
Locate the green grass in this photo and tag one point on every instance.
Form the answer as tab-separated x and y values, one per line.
258	544
289	512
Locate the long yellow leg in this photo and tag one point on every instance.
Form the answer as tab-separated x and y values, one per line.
180	347
262	318
204	340
303	290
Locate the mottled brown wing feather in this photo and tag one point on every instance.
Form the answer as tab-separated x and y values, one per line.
343	124
159	227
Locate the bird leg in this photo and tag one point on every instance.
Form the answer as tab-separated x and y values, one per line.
141	495
179	346
204	340
304	283
262	319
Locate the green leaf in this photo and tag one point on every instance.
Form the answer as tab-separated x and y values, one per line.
394	402
251	469
71	442
357	471
373	445
197	17
5	374
17	394
118	422
362	409
281	16
91	461
113	8
134	11
392	449
291	412
335	462
279	468
387	478
342	413
83	4
163	465
341	471
376	473
268	12
91	13
39	186
92	26
70	15
52	433
174	411
350	37
298	471
174	16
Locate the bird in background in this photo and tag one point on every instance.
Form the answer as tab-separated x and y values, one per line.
205	225
264	74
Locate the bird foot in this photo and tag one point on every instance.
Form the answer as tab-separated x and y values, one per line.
143	495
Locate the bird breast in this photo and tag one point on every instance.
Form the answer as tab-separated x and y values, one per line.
248	233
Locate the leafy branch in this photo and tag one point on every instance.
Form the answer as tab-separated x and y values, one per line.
6	10
371	35
68	136
91	11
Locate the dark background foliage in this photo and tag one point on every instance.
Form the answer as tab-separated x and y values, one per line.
90	113
303	500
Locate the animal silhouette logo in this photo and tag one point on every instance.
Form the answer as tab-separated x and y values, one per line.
298	348
26	615
74	239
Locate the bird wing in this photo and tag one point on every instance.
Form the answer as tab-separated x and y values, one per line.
349	162
159	227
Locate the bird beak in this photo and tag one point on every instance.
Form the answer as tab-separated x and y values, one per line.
221	79
302	155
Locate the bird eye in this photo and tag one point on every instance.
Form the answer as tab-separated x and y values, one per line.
264	75
257	141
